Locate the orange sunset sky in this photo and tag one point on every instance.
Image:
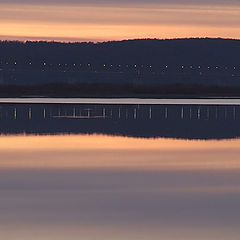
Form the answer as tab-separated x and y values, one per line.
103	20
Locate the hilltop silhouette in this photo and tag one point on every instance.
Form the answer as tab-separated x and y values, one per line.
182	66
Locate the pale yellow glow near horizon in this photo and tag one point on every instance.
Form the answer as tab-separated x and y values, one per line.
101	23
113	152
106	32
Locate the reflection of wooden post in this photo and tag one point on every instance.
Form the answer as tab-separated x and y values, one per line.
29	113
104	113
119	113
190	113
44	113
199	113
166	113
234	113
216	114
150	113
15	113
88	113
182	113
74	112
135	113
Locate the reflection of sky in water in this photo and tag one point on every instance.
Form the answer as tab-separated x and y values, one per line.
102	187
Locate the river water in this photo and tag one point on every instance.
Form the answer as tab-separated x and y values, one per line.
119	171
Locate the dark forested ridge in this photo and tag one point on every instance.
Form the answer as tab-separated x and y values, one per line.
185	64
203	52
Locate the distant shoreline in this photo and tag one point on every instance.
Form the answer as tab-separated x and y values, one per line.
104	90
144	66
122	101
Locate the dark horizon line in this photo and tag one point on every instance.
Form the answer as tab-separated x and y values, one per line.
119	135
121	40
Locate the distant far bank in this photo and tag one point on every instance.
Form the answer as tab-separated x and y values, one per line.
123	101
132	68
101	41
118	91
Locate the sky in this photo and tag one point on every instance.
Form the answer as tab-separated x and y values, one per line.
104	20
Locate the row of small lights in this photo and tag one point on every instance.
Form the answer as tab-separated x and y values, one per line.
111	65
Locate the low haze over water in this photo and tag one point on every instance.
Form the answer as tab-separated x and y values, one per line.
70	171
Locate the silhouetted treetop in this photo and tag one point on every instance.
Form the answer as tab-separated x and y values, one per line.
143	51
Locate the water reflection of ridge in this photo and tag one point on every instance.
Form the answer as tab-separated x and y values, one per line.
188	121
130	112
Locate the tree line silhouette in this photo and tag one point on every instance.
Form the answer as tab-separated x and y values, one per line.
159	65
196	51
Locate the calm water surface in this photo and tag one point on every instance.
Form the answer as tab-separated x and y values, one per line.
207	101
111	172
